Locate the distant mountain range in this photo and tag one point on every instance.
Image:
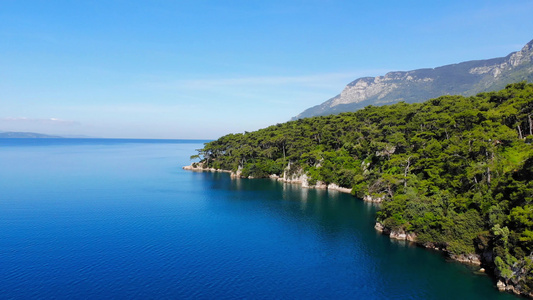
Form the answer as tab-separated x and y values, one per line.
466	78
22	135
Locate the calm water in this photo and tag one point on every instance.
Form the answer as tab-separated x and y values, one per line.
121	219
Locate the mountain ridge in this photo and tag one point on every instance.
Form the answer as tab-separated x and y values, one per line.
465	78
26	135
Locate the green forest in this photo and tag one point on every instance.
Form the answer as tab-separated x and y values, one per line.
456	171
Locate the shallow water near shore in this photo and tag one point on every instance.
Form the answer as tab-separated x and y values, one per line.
98	218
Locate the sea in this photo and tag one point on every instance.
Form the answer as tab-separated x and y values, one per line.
121	219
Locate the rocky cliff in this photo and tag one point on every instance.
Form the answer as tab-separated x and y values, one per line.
466	78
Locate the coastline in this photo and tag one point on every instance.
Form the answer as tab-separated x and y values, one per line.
481	261
200	169
301	179
400	235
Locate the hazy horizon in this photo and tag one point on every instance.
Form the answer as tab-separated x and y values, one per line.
199	70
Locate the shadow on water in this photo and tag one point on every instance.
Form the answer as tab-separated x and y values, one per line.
386	268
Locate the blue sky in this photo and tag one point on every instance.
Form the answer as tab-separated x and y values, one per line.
201	69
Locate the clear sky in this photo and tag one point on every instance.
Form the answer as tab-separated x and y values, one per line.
201	69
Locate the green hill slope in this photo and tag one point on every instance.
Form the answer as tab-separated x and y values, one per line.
454	173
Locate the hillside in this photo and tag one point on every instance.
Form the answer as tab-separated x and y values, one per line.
453	173
466	78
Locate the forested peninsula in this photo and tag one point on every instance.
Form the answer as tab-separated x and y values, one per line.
453	173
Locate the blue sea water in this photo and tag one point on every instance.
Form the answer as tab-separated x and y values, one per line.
98	218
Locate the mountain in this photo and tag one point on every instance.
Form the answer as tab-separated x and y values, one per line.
23	135
466	78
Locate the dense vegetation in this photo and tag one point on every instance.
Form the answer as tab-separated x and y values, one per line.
454	170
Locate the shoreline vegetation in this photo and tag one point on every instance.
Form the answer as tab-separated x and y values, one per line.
452	174
400	235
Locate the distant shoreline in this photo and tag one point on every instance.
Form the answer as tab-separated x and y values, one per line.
35	135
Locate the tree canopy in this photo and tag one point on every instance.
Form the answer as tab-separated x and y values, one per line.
454	170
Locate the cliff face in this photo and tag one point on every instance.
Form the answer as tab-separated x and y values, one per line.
466	78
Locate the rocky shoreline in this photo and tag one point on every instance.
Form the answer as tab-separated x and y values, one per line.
395	234
200	169
300	179
470	259
401	235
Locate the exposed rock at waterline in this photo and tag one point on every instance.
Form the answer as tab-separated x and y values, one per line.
472	259
374	199
297	177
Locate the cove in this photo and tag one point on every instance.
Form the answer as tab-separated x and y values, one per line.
121	219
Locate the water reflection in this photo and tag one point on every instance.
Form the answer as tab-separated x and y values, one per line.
336	227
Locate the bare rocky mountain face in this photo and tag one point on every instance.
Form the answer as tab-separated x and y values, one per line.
466	78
